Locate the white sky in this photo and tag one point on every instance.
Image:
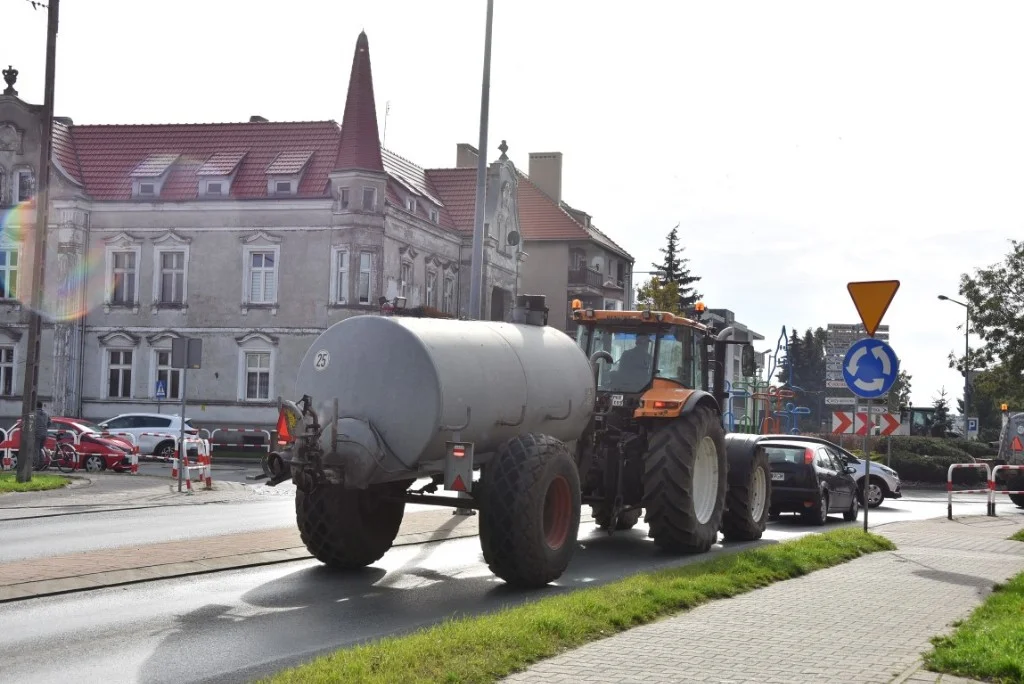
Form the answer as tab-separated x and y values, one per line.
801	145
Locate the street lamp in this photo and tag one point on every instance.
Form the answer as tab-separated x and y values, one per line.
967	355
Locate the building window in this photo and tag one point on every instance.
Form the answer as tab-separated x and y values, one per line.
123	276
171	377
172	277
214	188
405	286
365	276
25	186
431	289
410	205
369	199
8	273
449	295
262	276
433	215
147	189
257	376
343	197
284	187
7	371
339	289
119	373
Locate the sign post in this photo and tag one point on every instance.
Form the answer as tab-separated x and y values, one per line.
186	353
870	367
161	393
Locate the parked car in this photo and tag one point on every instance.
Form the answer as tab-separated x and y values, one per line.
885	482
810	479
97	452
155	433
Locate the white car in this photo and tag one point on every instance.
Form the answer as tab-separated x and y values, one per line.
155	433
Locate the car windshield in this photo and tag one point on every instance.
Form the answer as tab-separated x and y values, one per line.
785	454
632	352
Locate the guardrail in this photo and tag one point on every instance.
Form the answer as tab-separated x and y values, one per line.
265	446
992	486
949	486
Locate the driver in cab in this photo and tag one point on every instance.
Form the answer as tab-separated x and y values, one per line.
636	362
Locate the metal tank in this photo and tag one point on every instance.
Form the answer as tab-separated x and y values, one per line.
406	385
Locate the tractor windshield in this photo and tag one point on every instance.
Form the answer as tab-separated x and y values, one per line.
634	350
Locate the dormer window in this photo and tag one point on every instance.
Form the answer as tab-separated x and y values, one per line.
218	172
369	198
150	174
286	171
410	205
283	187
147	189
215	188
434	216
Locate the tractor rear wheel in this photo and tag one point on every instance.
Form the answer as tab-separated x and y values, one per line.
347	529
626	521
685	482
1017	499
749	497
529	511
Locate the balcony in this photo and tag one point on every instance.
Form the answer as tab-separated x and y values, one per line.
586	277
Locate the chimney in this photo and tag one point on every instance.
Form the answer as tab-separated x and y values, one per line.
256	118
546	173
466	156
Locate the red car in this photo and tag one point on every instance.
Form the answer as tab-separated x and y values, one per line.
95	451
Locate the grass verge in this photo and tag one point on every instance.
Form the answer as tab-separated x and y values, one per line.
38	483
989	645
488	647
1019	536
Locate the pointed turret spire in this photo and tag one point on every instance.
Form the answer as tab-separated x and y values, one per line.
359	148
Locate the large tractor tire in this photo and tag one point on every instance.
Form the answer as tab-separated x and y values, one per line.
750	492
347	529
685	481
603	518
530	510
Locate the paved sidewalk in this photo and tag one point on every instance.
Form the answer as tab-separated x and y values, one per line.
108	567
869	620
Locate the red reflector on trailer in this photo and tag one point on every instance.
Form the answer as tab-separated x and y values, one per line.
458	485
458	451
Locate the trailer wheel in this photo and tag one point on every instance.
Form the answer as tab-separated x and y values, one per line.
603	518
530	510
347	529
684	482
1017	499
749	497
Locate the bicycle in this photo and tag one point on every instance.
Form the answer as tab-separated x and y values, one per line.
64	456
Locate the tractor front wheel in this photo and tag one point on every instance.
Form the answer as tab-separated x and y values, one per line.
749	498
530	510
685	473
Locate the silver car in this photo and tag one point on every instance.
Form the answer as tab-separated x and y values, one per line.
885	482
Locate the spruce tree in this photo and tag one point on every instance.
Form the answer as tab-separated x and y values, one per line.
675	268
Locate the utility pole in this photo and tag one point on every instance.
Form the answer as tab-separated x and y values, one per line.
30	387
476	275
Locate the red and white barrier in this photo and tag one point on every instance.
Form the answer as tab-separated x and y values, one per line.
265	446
135	448
949	486
204	463
992	486
6	461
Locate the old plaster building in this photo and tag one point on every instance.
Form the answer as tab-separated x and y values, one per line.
252	236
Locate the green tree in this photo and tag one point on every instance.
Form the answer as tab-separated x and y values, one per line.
899	394
942	422
995	296
659	296
803	369
993	387
677	271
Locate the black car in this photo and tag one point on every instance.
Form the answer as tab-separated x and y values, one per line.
807	478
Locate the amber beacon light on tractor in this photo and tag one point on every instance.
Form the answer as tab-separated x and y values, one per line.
526	424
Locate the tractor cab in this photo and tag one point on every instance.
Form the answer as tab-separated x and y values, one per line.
646	363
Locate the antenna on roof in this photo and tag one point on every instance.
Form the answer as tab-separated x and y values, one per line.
387	110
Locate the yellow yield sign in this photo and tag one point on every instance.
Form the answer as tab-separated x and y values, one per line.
872	299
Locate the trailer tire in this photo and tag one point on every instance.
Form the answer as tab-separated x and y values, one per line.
626	521
347	529
530	510
749	497
685	454
1017	499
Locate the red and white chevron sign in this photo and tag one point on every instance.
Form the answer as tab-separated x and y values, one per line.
848	423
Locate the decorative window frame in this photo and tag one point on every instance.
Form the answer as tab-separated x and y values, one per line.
407	257
336	252
160	342
118	340
260	242
15	182
169	242
9	245
260	342
11	337
374	252
122	242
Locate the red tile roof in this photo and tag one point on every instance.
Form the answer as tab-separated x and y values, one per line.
457	189
154	166
221	164
289	163
360	140
64	151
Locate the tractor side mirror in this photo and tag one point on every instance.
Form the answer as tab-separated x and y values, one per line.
748	362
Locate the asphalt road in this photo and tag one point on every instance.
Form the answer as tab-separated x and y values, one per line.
241	624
